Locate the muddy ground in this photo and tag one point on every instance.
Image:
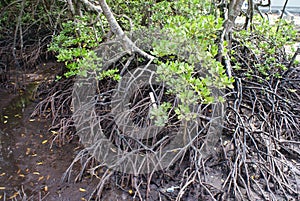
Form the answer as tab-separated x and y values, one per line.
29	168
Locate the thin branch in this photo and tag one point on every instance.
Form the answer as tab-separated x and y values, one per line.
116	29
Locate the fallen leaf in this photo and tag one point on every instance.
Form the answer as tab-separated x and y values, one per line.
41	178
17	115
46	188
82	190
28	151
14	195
5	122
45	141
2	188
54	132
21	175
130	192
39	163
36	173
6	117
2	174
31	120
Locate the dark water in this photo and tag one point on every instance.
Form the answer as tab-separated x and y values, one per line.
10	118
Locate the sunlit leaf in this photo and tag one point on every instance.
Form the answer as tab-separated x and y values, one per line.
2	188
82	190
36	173
45	141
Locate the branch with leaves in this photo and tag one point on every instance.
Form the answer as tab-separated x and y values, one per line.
130	47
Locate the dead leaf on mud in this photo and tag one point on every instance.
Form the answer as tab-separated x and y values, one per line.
13	196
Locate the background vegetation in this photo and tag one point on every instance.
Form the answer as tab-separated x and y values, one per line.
198	48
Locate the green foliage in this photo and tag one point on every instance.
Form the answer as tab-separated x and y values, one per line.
190	44
75	45
160	114
266	44
192	71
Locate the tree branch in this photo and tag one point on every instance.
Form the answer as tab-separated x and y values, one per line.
117	30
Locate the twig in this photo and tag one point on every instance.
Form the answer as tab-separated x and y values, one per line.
281	16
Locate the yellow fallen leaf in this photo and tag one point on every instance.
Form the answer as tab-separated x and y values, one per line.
5	122
130	192
82	190
27	150
83	199
13	196
31	120
21	175
6	117
2	174
45	141
39	163
54	132
41	178
18	115
46	188
2	188
36	173
34	155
